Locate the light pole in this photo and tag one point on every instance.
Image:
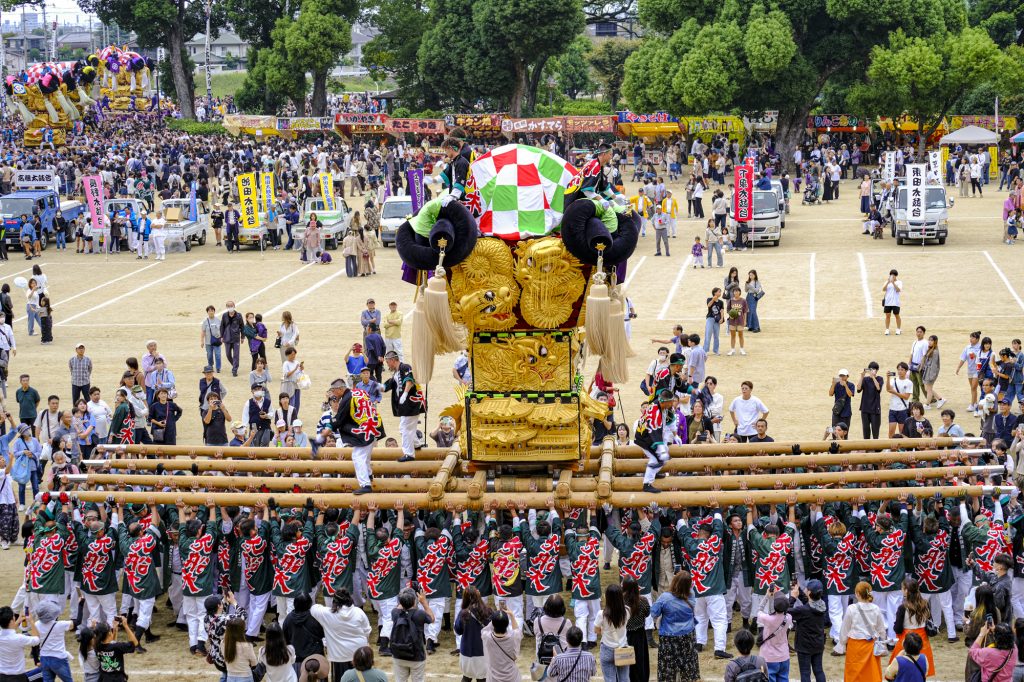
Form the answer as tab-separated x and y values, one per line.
209	82
552	83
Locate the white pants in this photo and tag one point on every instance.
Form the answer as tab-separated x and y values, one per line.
438	607
941	604
102	606
362	461
285	605
194	611
34	599
655	461
672	226
837	604
257	609
394	345
144	612
407	427
888	602
133	238
142	247
586	611
961	590
174	593
738	592
513	604
711	609
755	603
384	609
159	246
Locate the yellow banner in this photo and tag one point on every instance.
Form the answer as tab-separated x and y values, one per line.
247	196
993	166
266	191
327	191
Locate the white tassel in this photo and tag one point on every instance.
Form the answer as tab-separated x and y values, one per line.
83	98
68	107
145	79
49	108
422	344
26	115
596	324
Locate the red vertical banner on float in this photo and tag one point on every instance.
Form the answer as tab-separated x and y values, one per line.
743	198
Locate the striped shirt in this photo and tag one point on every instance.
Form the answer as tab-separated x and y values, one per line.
572	665
81	370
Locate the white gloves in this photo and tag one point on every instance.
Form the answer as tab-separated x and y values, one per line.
401	401
447	199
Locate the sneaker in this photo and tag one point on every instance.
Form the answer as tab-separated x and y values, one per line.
898	332
927	406
732	351
5	545
940	403
742	352
406	458
699	648
648	488
887	332
363	490
723	654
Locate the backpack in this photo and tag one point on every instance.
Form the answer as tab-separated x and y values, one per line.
752	673
403	637
549	641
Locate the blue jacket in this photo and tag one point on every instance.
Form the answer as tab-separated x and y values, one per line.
676	615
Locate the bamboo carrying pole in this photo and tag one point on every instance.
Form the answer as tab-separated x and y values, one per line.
749	463
537	500
533	484
316	468
622	452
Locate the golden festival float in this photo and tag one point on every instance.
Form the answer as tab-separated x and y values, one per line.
525	273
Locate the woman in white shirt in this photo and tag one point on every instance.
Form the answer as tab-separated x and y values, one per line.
346	629
278	656
863	625
291	372
891	291
288	333
32	295
611	628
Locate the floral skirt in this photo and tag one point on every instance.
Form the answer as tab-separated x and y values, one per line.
677	659
9	525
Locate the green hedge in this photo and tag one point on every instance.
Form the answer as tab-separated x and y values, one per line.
196	127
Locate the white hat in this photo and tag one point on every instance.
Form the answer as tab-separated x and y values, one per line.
297	422
844	373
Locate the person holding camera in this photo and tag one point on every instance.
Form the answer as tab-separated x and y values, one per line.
842	390
900	387
110	652
891	291
215	420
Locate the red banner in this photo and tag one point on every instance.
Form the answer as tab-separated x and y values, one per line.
743	199
590	124
419	126
532	125
350	119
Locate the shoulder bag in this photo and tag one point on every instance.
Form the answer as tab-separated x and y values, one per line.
214	340
976	676
880	649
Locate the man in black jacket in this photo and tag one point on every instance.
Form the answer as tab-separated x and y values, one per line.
231	324
407	403
355	421
303	631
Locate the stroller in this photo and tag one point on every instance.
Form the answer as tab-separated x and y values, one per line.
812	193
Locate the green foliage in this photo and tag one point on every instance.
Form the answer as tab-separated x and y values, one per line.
608	61
195	127
395	50
586	107
925	77
768	43
571	69
254	20
1003	20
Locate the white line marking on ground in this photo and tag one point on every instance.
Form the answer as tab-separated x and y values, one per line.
864	285
1013	292
22	272
111	301
302	294
273	284
675	285
810	304
95	288
634	271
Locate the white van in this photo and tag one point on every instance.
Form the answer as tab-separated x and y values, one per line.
936	217
767	223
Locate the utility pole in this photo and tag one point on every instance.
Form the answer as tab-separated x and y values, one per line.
209	82
46	41
3	68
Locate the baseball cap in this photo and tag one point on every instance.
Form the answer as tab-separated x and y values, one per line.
843	373
208	368
357	347
281	422
297	422
79	345
237	425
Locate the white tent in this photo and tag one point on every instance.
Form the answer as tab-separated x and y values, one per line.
970	135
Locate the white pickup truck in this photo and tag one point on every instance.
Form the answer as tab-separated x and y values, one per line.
335	223
179	227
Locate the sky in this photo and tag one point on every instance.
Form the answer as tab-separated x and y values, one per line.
67	11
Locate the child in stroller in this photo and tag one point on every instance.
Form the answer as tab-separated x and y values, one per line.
811	192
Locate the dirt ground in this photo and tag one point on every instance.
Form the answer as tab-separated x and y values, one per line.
821	312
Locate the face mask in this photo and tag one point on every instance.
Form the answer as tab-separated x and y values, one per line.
258	395
231	310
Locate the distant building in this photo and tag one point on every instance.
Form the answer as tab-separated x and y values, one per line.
608	30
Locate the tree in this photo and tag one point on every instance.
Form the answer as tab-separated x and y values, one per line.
1003	20
609	62
700	55
571	69
167	84
314	43
167	23
619	12
522	35
395	49
924	77
453	82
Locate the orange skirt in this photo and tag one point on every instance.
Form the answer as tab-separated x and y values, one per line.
926	649
861	663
